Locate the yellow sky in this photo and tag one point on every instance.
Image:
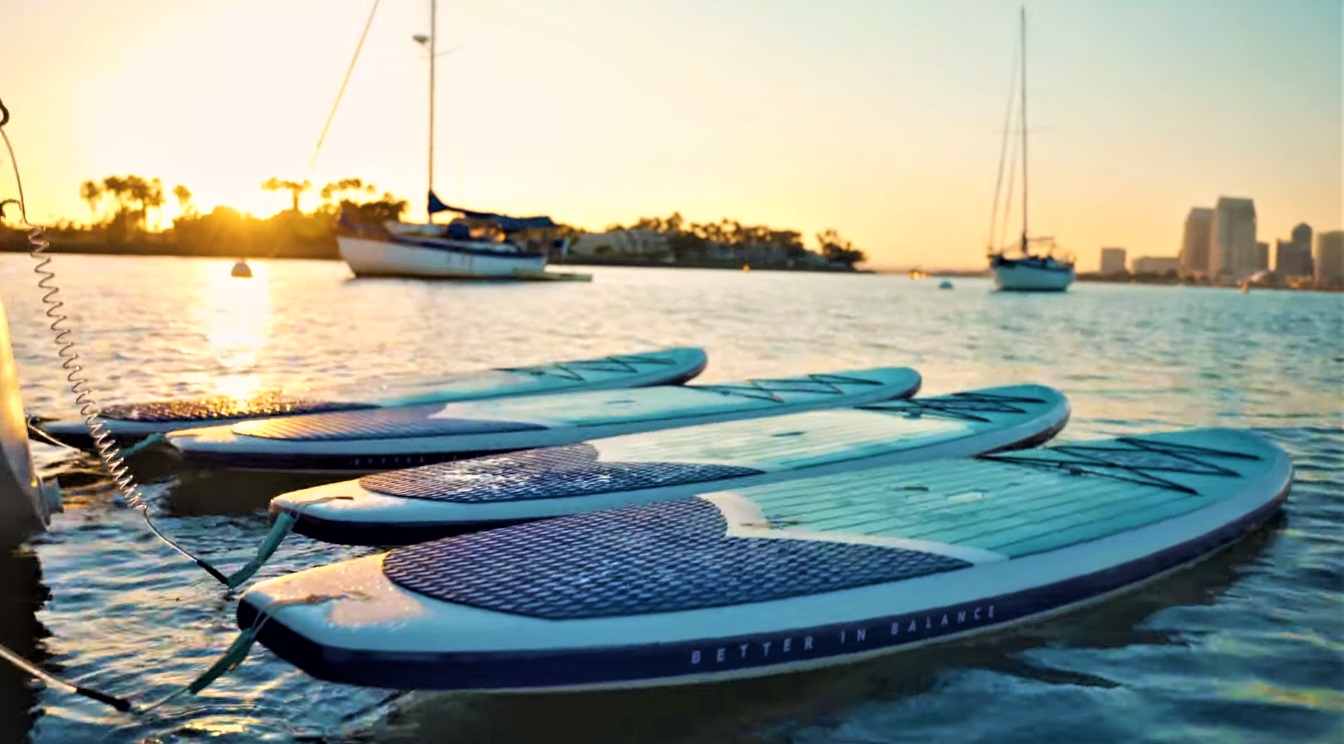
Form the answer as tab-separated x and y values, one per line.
880	119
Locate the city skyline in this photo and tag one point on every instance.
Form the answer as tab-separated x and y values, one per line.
881	121
1241	254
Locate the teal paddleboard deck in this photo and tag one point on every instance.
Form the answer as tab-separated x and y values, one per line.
368	441
776	578
418	504
133	421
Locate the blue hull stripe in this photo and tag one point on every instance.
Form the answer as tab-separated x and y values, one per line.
625	664
354	462
458	248
345	532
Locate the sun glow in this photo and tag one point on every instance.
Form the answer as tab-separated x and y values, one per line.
877	119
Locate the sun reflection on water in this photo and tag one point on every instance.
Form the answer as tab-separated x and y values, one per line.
236	318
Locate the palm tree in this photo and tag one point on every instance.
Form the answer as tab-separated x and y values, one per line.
92	193
116	186
335	189
153	199
295	188
838	250
140	190
183	195
338	188
674	223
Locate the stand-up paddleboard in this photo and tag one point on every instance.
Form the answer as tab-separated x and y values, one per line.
368	441
26	502
136	421
788	576
408	506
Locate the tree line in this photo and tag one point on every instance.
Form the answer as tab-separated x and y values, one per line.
691	241
122	210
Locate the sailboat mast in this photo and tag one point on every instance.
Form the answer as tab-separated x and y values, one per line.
1024	129
433	8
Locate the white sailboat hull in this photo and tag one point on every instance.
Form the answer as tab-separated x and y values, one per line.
1014	277
444	259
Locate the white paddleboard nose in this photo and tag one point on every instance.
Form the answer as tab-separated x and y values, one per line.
26	502
50	496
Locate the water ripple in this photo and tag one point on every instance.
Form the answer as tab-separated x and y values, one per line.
1247	645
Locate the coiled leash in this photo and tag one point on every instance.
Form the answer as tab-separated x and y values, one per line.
113	461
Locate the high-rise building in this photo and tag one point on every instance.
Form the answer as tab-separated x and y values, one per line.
1112	261
1330	257
1232	250
1302	237
1292	258
1261	256
1194	255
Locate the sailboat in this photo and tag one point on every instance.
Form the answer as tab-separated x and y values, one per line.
1030	270
474	245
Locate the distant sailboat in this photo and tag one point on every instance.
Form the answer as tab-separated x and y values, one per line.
1028	271
477	245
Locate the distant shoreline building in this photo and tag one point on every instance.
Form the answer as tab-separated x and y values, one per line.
1292	258
1302	234
1112	261
1232	245
1160	265
1330	258
616	243
1194	254
1261	256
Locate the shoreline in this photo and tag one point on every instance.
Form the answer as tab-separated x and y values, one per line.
152	248
1174	282
149	248
1131	280
60	245
706	264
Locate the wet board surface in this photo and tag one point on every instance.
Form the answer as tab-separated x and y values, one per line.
137	420
800	574
412	505
414	435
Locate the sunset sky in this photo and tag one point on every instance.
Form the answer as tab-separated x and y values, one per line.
880	118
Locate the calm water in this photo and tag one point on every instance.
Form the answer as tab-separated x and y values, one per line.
1248	646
